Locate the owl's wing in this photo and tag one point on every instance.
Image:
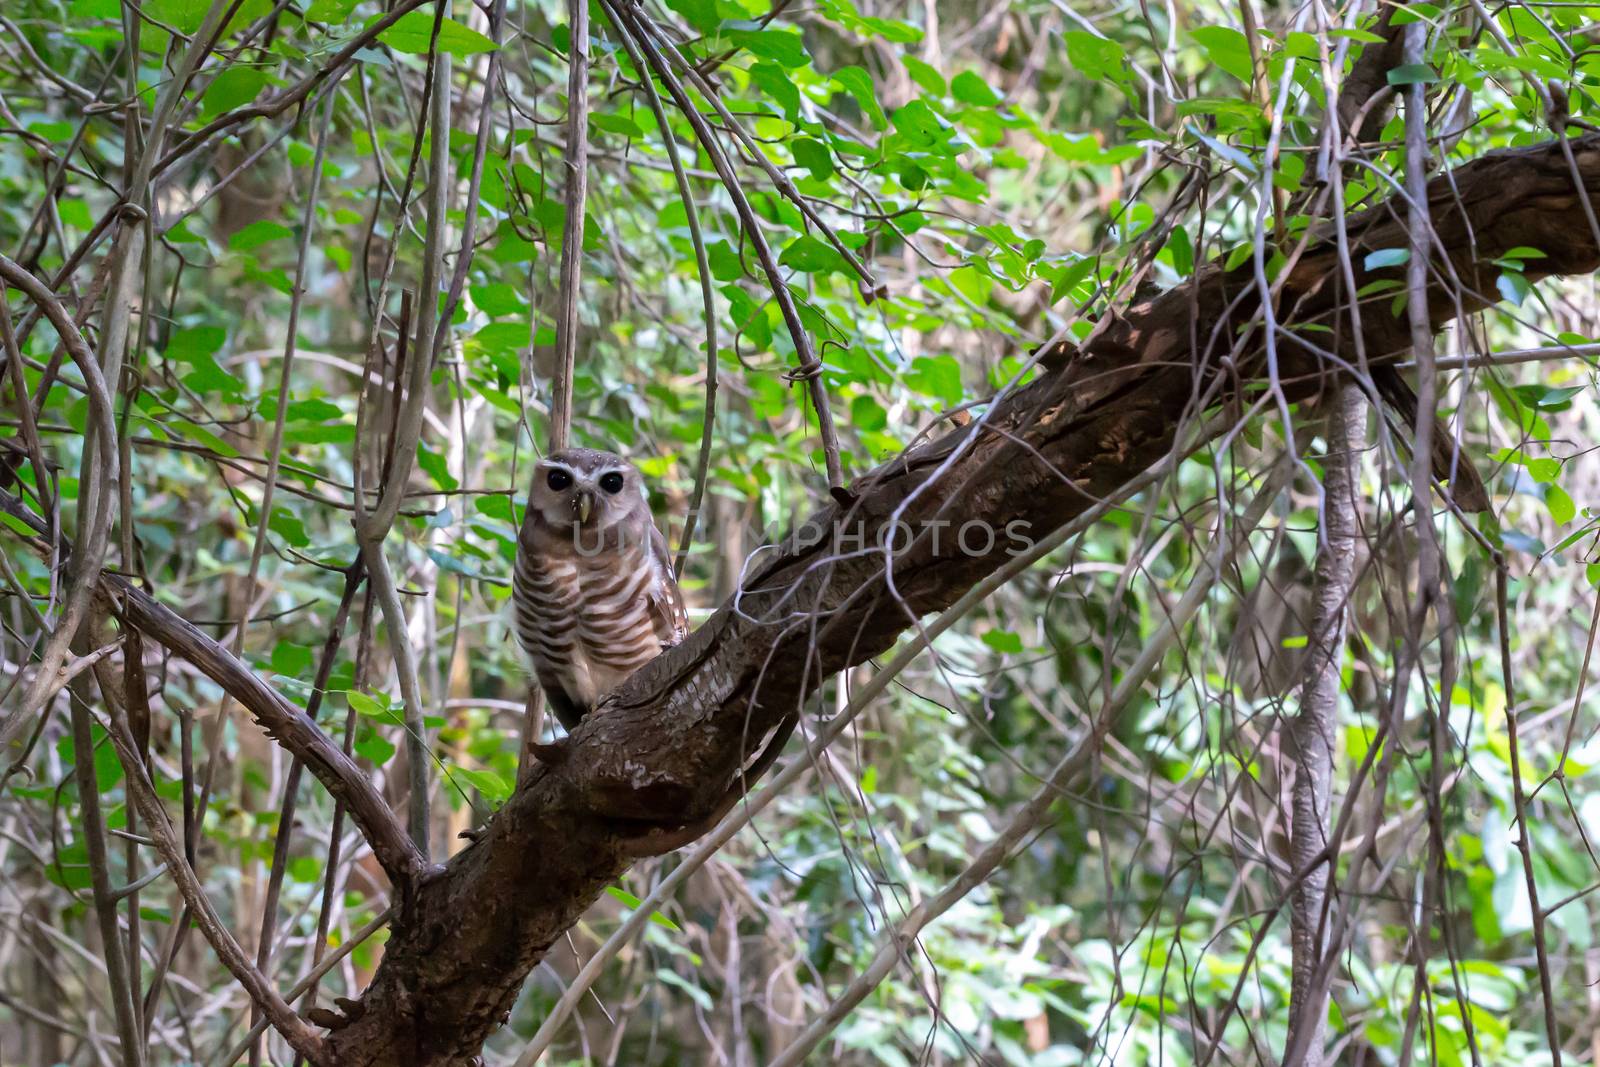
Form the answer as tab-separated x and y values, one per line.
667	610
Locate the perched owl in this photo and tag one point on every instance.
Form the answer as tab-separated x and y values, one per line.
594	591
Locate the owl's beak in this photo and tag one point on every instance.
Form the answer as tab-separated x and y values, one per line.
585	505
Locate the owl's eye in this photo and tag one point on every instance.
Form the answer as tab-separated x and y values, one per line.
558	479
612	482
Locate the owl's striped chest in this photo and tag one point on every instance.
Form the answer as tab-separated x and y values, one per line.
586	618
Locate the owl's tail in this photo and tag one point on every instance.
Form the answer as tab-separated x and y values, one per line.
1450	462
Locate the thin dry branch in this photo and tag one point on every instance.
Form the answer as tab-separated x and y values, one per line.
288	724
576	165
283	1018
631	24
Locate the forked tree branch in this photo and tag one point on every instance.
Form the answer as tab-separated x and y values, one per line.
288	724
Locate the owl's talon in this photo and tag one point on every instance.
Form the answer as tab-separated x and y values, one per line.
842	496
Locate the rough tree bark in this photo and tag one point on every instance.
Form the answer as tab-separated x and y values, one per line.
1311	733
669	743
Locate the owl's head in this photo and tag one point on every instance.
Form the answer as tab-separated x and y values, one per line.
587	488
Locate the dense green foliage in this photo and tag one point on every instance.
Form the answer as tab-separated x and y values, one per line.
998	173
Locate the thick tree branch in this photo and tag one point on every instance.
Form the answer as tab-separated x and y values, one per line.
669	743
673	737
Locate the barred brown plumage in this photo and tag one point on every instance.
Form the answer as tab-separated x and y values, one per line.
593	588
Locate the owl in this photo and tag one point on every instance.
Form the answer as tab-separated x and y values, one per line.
594	592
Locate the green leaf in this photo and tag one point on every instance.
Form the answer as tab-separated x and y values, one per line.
1544	470
288	526
969	88
234	87
1562	509
867	414
502	338
937	376
698	995
330	10
1182	251
1412	74
701	14
291	660
498	299
858	83
186	15
814	156
371	707
1003	641
614	123
1514	287
413	32
1227	48
1386	257
196	347
374	748
495	789
1093	57
811	255
776	84
783	47
202	436
1065	278
437	468
633	903
926	76
258	233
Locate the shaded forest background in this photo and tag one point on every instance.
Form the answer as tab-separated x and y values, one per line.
251	213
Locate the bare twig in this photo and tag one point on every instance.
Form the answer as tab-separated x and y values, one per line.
94	834
703	266
810	370
1519	801
576	165
294	1029
374	526
94	524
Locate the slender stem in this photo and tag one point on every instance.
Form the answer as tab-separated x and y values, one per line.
294	1029
703	266
810	369
1519	800
576	164
105	904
